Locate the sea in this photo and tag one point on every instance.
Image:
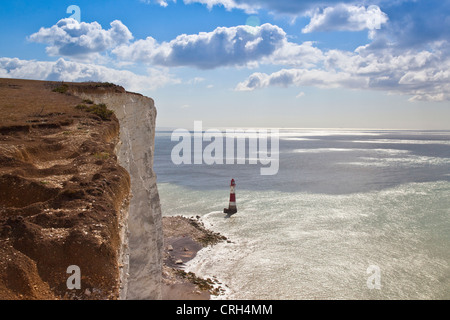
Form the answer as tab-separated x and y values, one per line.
351	214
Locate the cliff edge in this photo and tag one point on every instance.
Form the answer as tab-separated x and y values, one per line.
77	188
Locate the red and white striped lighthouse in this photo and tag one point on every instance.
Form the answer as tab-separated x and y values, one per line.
232	209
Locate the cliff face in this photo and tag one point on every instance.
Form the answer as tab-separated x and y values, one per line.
77	188
137	116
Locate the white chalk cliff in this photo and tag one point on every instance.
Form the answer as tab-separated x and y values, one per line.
142	232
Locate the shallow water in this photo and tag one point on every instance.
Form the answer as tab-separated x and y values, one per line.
342	201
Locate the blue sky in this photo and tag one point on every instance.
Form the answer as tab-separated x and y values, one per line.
242	63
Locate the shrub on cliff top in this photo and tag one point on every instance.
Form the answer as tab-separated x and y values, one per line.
61	89
98	109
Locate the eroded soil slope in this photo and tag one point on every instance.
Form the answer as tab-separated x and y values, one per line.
61	192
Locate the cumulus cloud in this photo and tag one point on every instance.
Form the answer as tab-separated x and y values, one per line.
414	25
289	7
423	75
62	70
227	4
346	18
293	54
233	46
300	7
302	77
409	55
71	38
225	46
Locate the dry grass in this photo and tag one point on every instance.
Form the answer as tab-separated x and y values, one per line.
16	105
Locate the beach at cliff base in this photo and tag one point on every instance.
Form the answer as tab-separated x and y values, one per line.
183	238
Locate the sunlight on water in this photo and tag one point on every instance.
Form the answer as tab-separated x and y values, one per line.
319	246
337	206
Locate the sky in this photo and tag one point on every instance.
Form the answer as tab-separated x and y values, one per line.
246	63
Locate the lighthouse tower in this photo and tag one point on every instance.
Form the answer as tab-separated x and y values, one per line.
232	209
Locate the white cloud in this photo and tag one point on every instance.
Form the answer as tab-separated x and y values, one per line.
227	4
162	3
232	46
196	80
292	8
420	71
416	25
71	38
302	77
293	54
346	18
423	75
70	71
289	7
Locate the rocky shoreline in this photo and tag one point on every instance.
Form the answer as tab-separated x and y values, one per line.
183	238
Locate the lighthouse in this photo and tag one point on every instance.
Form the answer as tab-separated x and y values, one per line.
232	209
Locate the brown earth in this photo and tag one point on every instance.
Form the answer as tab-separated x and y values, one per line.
61	191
